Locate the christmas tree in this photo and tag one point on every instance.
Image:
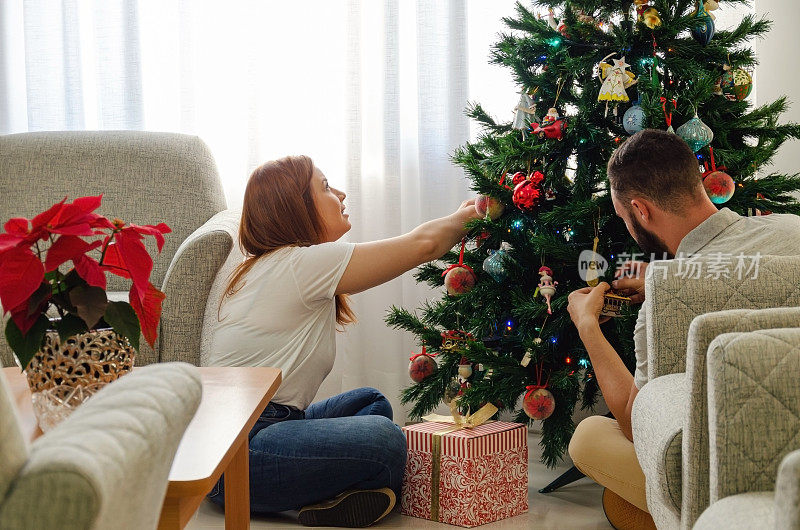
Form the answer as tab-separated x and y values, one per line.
594	71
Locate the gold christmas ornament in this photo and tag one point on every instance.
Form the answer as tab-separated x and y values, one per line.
651	18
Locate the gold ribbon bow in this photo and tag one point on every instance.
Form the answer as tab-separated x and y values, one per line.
460	422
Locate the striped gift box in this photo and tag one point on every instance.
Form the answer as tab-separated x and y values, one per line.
466	477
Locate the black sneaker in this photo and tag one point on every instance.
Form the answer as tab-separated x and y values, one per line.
351	509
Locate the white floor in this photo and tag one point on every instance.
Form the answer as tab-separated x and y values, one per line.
574	506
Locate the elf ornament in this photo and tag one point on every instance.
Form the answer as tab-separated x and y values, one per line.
495	265
718	184
538	402
421	365
489	207
526	193
546	287
616	80
459	278
696	133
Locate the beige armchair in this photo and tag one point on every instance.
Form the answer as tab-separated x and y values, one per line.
107	465
669	426
145	178
754	426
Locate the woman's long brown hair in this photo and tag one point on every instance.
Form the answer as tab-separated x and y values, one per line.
279	211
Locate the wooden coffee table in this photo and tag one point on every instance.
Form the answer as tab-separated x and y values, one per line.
214	443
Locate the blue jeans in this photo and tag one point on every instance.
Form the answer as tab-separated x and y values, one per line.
304	457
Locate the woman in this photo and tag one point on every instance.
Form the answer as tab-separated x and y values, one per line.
281	309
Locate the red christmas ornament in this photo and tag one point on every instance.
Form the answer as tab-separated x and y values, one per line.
527	193
518	177
421	366
487	206
459	278
538	403
718	184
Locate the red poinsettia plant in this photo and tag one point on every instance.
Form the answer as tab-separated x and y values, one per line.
34	278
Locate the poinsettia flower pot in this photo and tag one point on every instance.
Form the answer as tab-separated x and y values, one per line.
64	373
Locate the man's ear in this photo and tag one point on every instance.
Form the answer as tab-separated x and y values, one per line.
643	210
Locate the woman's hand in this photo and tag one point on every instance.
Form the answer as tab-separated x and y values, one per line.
466	212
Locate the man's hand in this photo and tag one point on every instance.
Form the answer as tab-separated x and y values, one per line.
585	305
630	280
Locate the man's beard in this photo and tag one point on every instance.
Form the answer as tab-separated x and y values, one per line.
652	245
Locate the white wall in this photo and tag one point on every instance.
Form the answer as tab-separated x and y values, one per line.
779	71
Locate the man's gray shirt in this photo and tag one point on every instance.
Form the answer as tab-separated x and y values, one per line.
729	234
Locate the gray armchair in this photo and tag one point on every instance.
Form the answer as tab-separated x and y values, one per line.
669	431
754	426
107	465
145	178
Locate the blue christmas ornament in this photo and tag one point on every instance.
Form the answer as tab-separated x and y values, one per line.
695	133
633	119
703	27
495	265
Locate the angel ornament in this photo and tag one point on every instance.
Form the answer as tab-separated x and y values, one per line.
524	114
616	80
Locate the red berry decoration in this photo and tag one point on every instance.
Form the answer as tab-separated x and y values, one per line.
538	403
421	366
481	238
527	192
459	278
518	177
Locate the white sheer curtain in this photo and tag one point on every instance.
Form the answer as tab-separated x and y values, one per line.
373	91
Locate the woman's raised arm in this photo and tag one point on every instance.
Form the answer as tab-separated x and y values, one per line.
377	262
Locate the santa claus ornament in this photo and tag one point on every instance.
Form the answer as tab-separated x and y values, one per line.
538	402
464	368
459	278
421	366
527	192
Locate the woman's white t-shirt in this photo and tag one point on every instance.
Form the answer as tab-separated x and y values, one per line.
284	316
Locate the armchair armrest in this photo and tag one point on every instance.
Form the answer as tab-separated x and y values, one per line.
657	420
107	465
704	329
787	492
187	285
754	405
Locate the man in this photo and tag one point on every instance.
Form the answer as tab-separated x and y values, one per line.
656	189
